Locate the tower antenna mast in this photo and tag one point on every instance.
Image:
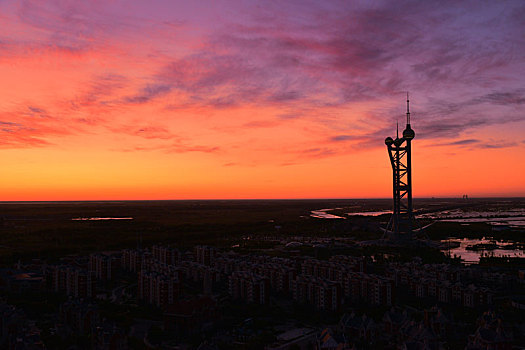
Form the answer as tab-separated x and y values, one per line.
408	110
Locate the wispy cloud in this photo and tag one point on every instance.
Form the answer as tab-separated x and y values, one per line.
149	92
261	124
18	135
515	97
145	131
177	147
463	142
477	144
460	60
339	138
497	145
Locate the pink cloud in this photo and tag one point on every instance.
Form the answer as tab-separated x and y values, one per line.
332	56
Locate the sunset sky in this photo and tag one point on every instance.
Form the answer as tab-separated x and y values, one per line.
258	99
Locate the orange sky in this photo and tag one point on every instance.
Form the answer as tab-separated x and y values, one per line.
109	101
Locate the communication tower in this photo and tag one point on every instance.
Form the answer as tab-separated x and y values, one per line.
402	223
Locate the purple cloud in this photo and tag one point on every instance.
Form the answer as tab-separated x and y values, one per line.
148	92
498	145
464	142
462	62
515	97
342	138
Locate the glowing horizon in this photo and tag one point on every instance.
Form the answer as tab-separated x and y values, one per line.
113	100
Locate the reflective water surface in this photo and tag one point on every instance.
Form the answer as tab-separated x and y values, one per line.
470	250
100	219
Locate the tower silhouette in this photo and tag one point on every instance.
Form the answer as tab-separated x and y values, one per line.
402	223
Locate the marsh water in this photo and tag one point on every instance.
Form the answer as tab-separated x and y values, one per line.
471	250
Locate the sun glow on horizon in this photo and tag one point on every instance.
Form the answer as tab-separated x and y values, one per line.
175	100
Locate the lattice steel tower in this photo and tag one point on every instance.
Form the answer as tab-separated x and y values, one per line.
402	223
